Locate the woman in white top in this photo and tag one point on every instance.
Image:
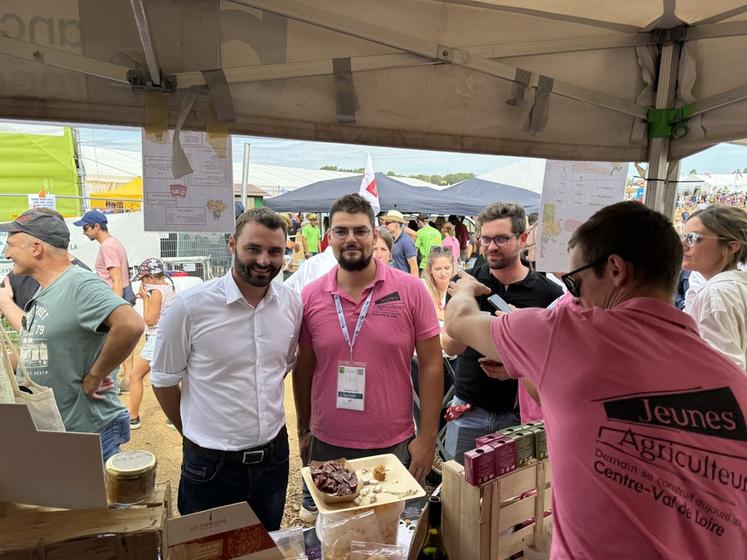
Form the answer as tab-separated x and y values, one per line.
438	271
157	292
715	242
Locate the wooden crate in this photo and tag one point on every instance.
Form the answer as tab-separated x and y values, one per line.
474	517
137	533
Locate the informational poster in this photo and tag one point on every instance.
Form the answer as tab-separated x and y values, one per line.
47	201
572	192
199	201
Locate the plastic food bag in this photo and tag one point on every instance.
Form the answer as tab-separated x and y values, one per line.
375	551
290	542
337	538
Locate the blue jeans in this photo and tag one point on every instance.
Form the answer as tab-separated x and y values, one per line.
206	483
462	432
115	434
321	451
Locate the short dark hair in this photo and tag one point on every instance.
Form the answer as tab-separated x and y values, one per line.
641	236
532	218
502	210
264	216
352	204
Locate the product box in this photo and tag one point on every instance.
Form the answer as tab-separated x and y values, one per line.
487	438
524	440
504	455
509	430
479	465
540	442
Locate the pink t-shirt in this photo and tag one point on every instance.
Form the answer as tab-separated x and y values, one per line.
112	254
401	313
453	244
645	426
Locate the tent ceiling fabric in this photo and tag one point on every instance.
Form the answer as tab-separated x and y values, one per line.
425	73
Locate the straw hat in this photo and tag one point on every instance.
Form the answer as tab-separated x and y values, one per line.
394	216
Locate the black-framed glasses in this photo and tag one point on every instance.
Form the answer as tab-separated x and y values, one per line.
499	240
358	232
574	285
693	238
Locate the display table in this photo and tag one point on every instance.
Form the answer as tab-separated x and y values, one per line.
134	533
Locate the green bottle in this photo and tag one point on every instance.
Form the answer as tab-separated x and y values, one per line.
433	548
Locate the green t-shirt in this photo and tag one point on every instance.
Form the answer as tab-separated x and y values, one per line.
311	234
426	238
63	334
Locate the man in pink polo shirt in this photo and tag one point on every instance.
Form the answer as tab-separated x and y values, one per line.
362	322
645	421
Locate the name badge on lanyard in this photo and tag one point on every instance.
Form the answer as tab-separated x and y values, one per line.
351	375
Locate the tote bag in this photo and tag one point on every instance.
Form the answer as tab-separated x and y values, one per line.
39	399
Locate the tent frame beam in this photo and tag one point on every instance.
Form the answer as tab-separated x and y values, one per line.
146	39
658	186
433	50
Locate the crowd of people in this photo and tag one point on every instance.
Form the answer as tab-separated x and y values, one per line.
623	379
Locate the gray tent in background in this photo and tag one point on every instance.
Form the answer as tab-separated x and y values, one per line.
479	193
393	194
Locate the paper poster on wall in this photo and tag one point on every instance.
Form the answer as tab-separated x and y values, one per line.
572	192
199	201
38	201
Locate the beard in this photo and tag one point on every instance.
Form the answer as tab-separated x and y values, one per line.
353	265
500	261
248	273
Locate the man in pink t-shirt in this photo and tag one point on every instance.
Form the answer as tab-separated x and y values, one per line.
645	421
111	262
362	322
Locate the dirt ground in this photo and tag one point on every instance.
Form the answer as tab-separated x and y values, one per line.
165	443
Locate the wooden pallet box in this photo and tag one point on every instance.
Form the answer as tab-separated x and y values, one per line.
475	516
135	533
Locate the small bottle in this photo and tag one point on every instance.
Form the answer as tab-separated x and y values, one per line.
433	548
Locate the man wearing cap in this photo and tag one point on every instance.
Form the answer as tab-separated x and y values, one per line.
404	253
111	261
427	237
311	235
74	332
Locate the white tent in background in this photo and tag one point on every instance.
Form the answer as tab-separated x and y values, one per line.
527	173
713	182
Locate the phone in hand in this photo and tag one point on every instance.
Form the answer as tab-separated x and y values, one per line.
488	362
499	303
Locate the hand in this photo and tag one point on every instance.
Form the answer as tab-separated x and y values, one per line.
422	451
308	255
304	443
94	387
496	370
142	292
6	291
468	283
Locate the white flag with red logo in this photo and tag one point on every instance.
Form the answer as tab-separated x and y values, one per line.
368	188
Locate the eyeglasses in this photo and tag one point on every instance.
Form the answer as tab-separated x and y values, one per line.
574	285
358	232
438	249
499	240
693	238
386	222
87	227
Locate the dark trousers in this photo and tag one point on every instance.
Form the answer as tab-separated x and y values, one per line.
207	483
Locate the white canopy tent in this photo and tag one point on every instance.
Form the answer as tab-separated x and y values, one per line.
558	79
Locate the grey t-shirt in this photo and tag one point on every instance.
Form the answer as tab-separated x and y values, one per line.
63	333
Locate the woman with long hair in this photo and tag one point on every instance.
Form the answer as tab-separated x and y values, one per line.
157	291
715	243
438	271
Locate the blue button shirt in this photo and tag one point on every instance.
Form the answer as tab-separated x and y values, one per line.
403	249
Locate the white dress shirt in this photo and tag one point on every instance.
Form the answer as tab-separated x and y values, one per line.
311	269
231	359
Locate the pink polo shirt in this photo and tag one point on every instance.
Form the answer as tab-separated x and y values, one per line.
645	426
401	313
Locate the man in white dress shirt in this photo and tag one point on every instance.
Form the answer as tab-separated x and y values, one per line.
230	342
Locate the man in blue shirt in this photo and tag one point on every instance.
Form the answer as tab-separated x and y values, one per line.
404	254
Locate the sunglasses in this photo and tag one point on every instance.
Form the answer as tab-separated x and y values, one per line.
499	240
573	284
693	238
437	250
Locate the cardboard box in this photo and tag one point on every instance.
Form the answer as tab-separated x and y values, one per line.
540	442
479	465
487	438
504	455
524	446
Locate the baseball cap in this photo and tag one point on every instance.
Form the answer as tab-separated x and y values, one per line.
394	216
423	217
42	226
149	267
90	218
